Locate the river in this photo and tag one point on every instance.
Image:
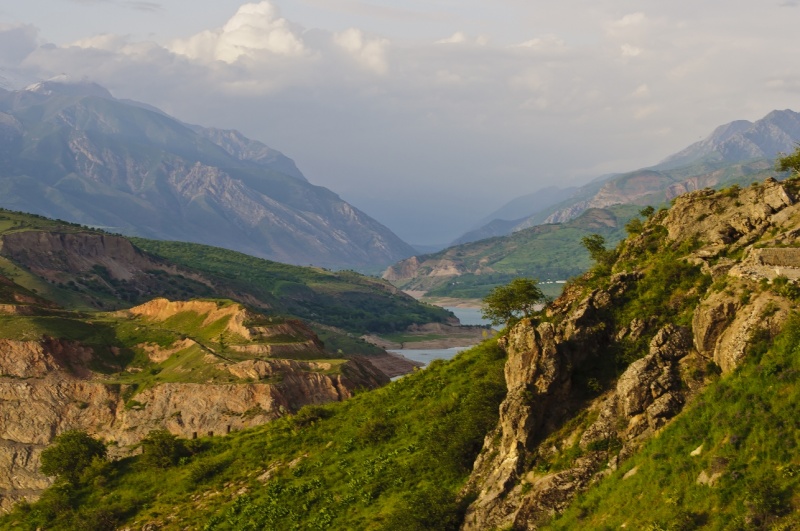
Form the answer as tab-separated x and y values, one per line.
467	316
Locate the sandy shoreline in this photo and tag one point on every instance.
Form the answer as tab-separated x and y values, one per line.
449	302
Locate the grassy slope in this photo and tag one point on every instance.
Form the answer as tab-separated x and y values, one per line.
748	425
394	458
344	299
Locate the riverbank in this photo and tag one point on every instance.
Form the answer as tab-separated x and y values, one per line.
445	302
431	336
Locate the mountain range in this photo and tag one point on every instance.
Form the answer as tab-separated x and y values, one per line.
731	153
546	244
72	151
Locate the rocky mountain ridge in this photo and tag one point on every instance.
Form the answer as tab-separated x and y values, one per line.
72	151
602	372
733	153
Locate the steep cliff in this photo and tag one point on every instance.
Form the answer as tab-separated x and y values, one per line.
628	345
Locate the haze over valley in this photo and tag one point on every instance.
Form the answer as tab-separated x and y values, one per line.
236	240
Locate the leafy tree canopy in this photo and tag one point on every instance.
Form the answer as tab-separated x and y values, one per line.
71	453
512	301
161	449
790	162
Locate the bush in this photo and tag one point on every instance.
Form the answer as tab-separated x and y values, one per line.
71	454
161	449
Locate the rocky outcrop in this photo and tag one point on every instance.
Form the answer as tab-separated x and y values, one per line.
738	238
45	389
724	328
649	393
48	252
718	220
538	377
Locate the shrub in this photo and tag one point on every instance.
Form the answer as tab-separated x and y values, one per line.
161	449
71	454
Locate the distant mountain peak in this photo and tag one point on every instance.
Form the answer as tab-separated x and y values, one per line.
64	85
742	140
70	150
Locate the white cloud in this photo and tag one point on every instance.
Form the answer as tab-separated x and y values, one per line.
544	43
255	30
458	37
629	20
640	113
370	53
628	50
642	91
106	41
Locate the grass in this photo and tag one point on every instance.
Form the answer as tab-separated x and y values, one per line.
393	458
748	424
341	299
118	344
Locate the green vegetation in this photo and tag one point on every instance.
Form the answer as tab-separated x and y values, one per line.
70	455
161	449
749	429
343	299
790	162
341	302
394	458
517	300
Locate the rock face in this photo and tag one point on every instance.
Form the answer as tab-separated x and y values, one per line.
47	253
47	386
736	239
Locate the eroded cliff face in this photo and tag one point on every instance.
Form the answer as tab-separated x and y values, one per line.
555	437
47	387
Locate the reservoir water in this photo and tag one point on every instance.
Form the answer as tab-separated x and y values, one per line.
467	316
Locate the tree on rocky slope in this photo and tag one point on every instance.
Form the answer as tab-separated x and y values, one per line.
790	162
513	301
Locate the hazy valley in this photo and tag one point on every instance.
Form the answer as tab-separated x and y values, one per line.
230	389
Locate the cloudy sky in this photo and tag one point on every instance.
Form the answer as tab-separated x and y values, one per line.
430	114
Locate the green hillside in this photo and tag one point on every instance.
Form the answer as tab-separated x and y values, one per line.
391	459
344	300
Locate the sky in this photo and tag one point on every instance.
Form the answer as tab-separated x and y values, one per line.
429	115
